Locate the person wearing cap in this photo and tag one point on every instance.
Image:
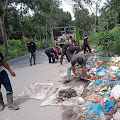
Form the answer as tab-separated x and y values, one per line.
86	44
32	50
51	53
81	60
64	49
4	80
72	51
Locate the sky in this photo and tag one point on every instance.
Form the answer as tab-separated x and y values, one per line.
67	6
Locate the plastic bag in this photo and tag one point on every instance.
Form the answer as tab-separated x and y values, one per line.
102	116
116	91
101	72
97	82
97	108
100	62
114	68
108	105
116	116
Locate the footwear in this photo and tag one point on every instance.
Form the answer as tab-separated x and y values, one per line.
53	58
2	106
49	59
30	64
11	106
61	63
34	63
67	81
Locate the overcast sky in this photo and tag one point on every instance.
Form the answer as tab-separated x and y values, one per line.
67	6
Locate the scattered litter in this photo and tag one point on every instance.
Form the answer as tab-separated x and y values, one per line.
116	91
108	105
97	108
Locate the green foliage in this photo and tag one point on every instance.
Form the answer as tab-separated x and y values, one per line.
108	40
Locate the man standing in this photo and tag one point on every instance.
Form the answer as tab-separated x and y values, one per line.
80	59
51	53
72	51
86	44
32	50
64	49
4	79
73	41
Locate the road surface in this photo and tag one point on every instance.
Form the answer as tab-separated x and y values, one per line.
42	72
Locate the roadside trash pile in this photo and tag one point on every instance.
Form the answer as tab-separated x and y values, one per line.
102	96
66	94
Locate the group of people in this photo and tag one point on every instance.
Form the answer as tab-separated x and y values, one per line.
71	51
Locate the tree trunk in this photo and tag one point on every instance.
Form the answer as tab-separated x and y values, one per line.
4	34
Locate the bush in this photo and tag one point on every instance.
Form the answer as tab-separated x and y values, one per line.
108	40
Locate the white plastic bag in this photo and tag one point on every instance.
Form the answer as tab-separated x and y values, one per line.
116	116
116	91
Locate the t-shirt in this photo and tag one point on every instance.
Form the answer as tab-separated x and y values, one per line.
74	59
55	43
73	41
85	40
1	64
73	49
51	50
31	47
66	46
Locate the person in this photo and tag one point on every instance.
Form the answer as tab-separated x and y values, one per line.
64	49
32	50
51	53
56	46
73	41
72	51
4	80
81	60
66	29
86	44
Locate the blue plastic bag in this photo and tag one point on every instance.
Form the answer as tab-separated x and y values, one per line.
109	105
97	108
90	119
97	82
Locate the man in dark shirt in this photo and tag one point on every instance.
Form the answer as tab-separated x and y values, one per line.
86	44
4	80
73	41
32	50
64	49
80	59
72	51
51	53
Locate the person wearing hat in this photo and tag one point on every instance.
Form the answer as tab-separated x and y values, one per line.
72	51
81	60
51	53
4	80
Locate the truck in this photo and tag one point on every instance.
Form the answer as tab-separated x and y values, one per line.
64	33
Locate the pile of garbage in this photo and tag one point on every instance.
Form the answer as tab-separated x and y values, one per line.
66	94
102	98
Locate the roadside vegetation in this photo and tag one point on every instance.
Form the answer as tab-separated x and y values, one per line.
20	20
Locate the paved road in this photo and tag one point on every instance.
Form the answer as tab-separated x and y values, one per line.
42	72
